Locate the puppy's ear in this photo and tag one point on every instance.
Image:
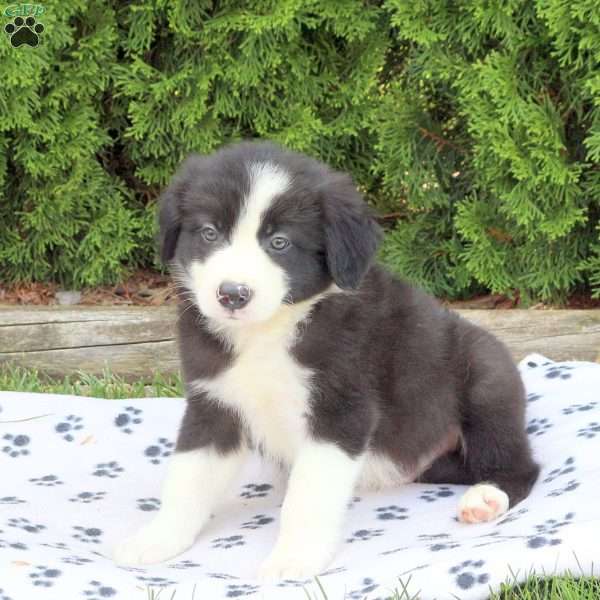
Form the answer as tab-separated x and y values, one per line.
351	233
169	209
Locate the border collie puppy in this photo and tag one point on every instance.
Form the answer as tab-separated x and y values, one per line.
293	344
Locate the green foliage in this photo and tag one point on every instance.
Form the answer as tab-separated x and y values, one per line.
476	125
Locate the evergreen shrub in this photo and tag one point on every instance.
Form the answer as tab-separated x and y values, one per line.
472	126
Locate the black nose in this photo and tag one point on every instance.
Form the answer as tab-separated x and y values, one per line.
234	295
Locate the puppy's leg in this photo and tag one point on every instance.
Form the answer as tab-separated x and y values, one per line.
195	481
319	489
209	453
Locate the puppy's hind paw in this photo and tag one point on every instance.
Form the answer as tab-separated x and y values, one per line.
481	503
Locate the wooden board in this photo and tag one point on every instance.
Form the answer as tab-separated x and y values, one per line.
135	342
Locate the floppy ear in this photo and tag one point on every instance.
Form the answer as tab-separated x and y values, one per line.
168	223
169	211
351	233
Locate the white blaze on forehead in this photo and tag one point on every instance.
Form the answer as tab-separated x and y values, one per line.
242	259
267	182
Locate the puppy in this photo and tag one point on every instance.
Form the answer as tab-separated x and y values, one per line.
294	345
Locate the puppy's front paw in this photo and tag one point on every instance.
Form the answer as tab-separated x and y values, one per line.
481	503
300	565
154	543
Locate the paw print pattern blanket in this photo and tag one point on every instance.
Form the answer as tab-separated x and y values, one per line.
79	474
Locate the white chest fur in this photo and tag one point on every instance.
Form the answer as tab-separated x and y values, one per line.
266	386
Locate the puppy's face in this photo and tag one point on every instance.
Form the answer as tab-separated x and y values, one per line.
253	228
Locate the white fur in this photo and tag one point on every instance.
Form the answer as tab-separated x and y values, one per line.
380	472
194	484
243	260
482	502
265	384
319	489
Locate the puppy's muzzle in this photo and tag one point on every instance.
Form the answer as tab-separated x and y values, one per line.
233	295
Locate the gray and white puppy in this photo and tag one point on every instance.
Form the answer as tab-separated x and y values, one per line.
293	344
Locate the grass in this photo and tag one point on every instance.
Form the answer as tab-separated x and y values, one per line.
109	385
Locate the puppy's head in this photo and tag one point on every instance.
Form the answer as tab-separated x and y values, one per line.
253	228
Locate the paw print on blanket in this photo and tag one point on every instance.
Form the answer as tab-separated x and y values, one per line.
47	481
468	574
559	371
538	427
156	581
544	531
25	525
87	535
439	541
243	589
184	564
367	585
512	516
571	486
256	490
11	500
128	419
533	397
96	591
158	451
228	542
14	545
364	535
579	408
16	445
443	491
76	560
567	467
68	426
110	469
391	513
88	497
148	504
591	430
257	522
44	576
56	545
3	595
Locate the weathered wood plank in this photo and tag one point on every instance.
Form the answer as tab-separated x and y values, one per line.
135	342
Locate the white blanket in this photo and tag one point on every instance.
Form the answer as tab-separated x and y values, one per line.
78	474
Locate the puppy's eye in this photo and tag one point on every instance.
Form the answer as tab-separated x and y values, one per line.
279	243
209	233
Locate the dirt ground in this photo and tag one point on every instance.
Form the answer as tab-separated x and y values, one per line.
147	288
